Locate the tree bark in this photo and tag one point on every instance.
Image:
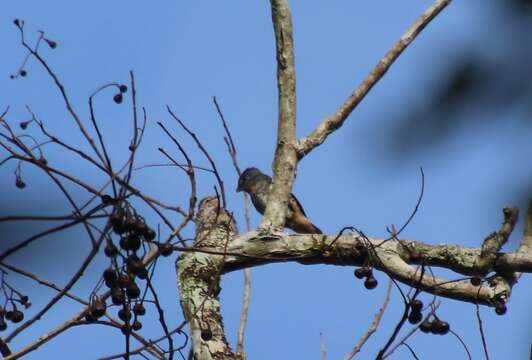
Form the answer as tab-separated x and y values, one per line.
198	280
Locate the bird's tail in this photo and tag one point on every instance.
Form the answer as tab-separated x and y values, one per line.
301	224
316	230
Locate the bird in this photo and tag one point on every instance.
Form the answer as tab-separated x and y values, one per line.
258	184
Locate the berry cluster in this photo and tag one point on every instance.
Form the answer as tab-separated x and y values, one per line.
415	315
51	44
435	326
366	272
126	265
10	311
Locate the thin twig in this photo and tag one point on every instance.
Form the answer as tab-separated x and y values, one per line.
374	324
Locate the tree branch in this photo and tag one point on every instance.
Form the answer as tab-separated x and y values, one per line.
198	279
285	161
336	120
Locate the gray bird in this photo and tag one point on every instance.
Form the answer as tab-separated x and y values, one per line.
257	185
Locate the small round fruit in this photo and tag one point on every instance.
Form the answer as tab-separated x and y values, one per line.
3	325
441	327
18	316
206	334
124	314
19	183
150	234
139	309
98	308
132	242
414	317
166	249
109	274
133	290
117	296
416	305
90	318
123	88
425	326
370	283
118	98
124	280
110	250
137	325
475	281
500	308
359	273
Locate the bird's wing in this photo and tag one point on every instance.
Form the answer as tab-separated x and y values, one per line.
296	205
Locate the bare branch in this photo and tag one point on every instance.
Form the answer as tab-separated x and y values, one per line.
374	324
337	119
285	160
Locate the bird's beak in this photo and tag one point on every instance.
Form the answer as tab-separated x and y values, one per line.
239	188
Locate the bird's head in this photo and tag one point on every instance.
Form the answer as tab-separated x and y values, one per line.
245	179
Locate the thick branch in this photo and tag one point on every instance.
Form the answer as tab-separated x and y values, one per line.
285	161
198	279
393	257
336	120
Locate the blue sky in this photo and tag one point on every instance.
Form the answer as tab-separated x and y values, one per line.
182	54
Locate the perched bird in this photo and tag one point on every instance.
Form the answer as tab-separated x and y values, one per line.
257	185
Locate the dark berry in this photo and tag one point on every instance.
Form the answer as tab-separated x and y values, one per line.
16	22
124	280
9	315
141	227
117	296
124	314
126	330
137	325
110	250
20	184
107	200
166	249
139	309
3	325
133	290
132	242
414	317
135	265
24	300
142	273
17	317
24	124
500	308
416	305
118	98
206	334
123	88
434	326
90	318
23	73
360	273
441	327
475	281
117	217
119	228
150	234
370	283
110	274
425	326
52	44
98	308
